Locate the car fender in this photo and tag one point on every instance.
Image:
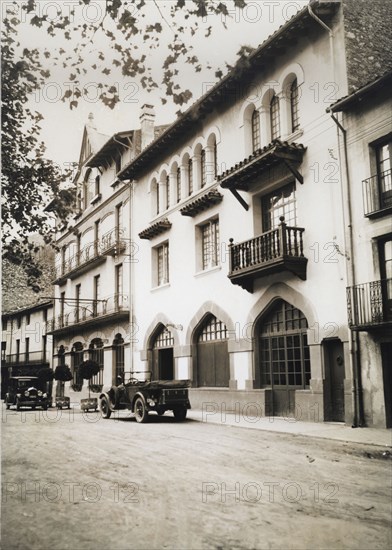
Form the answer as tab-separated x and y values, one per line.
109	399
139	394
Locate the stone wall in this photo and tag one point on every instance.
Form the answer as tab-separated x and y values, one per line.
368	40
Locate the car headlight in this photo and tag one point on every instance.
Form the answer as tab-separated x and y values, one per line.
27	393
39	393
44	395
151	402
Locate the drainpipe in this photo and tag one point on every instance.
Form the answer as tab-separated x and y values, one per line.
131	275
331	47
358	419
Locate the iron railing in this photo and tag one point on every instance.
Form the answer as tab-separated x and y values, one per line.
113	242
377	192
95	310
27	358
366	303
82	257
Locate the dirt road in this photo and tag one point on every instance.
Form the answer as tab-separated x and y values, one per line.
77	481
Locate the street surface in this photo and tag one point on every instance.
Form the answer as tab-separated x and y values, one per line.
77	481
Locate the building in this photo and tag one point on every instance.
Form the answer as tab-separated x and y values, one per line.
92	317
241	258
26	346
364	121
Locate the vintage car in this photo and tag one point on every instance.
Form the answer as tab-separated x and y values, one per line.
145	396
24	391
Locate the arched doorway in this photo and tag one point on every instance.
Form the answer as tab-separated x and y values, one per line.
76	360
212	355
162	355
283	355
118	349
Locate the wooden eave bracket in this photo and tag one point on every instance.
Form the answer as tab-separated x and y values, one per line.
298	176
239	198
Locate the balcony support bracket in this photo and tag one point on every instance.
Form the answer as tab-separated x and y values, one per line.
239	198
294	171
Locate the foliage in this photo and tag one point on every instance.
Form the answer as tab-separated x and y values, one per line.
88	369
129	32
45	375
63	373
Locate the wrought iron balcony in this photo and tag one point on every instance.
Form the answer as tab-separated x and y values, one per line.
89	256
275	251
27	358
115	308
368	305
377	194
113	242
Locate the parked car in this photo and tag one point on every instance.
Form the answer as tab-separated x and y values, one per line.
145	396
24	391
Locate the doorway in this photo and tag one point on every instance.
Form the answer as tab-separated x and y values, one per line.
163	356
334	380
386	358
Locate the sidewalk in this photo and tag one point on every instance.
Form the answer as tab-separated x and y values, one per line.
323	430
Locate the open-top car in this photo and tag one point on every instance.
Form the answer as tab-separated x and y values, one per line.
143	396
24	391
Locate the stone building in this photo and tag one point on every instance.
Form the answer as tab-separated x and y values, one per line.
364	120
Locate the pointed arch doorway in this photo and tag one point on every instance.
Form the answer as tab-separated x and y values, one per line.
212	356
162	360
283	361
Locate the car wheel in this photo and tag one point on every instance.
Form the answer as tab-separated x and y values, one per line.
141	413
105	409
180	414
17	405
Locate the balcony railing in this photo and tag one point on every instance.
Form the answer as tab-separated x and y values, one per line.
95	312
113	242
89	254
27	358
368	304
277	250
377	194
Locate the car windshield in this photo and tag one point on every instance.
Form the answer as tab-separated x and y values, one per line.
27	383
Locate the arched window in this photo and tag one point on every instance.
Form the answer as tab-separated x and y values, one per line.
255	130
118	347
203	168
294	97
275	117
76	360
283	347
96	354
190	176
157	197
167	191
178	183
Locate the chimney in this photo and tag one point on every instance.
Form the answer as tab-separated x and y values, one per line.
147	118
91	121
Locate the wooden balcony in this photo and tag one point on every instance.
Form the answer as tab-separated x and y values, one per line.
275	251
377	195
30	358
112	309
368	305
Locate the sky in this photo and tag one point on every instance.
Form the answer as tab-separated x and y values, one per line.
62	128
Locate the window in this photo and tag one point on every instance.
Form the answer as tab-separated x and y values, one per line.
118	163
385	254
17	349
275	117
284	351
96	354
164	339
97	185
255	130
119	221
294	97
210	244
163	264
203	168
96	294
279	203
27	349
44	348
76	360
384	165
96	236
215	160
78	290
178	175
213	330
119	285
167	192
190	176
157	197
62	308
118	346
